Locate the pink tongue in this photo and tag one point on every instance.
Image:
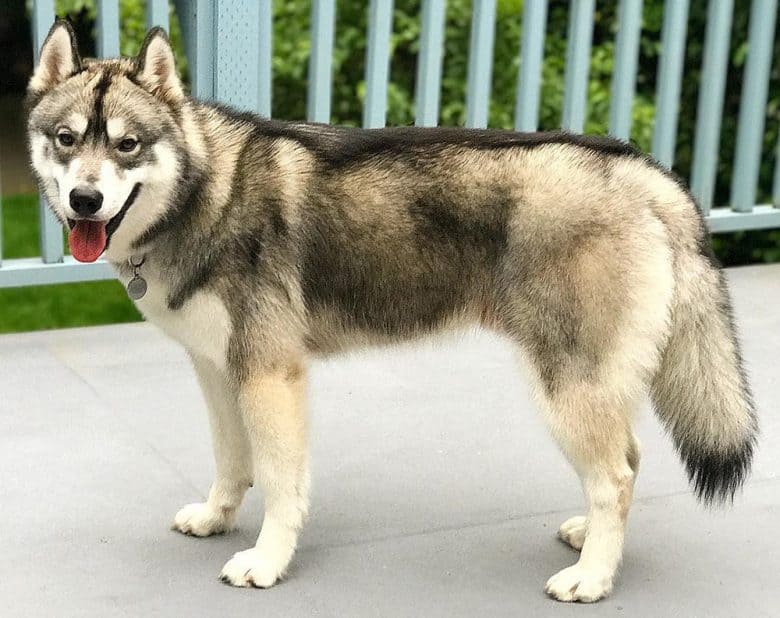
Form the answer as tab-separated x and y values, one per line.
87	240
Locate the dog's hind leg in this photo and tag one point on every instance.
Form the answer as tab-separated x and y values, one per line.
573	530
232	457
592	323
272	403
594	433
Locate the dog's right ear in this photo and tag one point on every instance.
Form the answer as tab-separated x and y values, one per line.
156	67
59	58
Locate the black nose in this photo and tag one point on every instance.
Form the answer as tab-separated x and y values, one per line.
85	201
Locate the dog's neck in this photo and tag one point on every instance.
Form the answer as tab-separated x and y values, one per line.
189	238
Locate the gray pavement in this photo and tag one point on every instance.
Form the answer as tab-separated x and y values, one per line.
436	489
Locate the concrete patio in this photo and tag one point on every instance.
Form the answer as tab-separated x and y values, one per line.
436	489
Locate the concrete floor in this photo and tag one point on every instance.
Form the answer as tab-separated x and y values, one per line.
436	489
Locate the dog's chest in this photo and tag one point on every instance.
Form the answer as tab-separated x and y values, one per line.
202	324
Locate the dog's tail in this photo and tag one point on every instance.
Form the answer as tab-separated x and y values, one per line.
700	391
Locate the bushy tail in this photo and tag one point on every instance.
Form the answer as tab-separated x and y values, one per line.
700	391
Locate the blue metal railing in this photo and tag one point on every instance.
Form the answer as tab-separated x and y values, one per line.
710	105
669	80
228	44
529	82
750	128
429	64
626	62
480	67
323	17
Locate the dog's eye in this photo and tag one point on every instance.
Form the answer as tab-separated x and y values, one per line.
128	144
65	139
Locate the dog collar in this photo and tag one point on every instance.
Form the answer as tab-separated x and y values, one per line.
136	287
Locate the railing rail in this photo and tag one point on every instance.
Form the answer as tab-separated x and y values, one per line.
228	44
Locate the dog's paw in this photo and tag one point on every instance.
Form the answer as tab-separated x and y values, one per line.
573	531
200	519
250	568
576	583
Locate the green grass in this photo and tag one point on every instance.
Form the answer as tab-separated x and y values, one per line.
52	306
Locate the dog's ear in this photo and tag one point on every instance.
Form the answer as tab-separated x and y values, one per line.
59	58
156	67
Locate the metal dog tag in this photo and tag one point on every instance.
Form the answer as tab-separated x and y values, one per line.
136	287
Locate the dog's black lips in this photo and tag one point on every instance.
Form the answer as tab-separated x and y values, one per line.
113	222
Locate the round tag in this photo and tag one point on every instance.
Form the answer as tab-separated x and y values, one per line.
136	288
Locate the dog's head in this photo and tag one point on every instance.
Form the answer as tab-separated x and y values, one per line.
105	139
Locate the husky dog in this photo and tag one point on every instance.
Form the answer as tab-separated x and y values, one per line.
265	243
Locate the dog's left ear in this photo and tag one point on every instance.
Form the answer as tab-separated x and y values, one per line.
59	58
156	67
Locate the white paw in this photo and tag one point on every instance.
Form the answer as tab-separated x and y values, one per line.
200	519
576	583
250	568
573	531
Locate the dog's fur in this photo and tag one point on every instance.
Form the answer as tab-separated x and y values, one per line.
267	242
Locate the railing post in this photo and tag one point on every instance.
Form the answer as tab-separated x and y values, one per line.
429	61
320	61
380	25
580	36
108	28
242	54
480	69
626	58
669	79
198	24
157	14
265	74
710	107
529	82
50	238
752	106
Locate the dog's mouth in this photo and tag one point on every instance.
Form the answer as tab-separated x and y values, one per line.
89	238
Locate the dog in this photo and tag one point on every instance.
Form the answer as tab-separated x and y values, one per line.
259	244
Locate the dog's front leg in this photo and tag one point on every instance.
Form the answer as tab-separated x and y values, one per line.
232	455
272	404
